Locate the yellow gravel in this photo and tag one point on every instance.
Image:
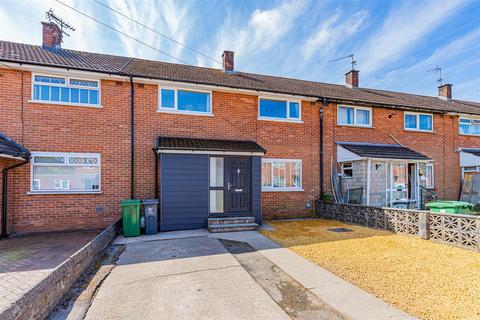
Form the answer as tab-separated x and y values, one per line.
423	278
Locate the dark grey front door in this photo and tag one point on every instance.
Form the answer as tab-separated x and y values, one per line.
238	175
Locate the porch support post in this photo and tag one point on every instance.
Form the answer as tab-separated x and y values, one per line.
369	163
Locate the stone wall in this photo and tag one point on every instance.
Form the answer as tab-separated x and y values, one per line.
452	229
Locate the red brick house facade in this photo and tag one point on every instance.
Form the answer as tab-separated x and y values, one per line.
104	129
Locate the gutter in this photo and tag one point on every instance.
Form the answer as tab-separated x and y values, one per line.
3	233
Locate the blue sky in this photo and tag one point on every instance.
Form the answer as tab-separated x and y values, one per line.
394	42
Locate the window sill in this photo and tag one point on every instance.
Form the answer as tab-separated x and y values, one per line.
32	193
279	120
187	113
418	130
469	135
355	126
282	190
66	104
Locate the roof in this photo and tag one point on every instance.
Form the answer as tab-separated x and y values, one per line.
475	152
87	61
177	143
382	151
10	148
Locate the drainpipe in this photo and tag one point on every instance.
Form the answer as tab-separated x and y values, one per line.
3	233
324	103
132	139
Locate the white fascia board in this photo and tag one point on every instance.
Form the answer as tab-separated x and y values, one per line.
225	153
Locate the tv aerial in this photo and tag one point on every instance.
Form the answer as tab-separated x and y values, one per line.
353	61
52	17
438	70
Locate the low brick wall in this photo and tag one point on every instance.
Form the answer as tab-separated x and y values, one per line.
452	229
40	301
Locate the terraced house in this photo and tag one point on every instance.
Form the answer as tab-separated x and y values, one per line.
82	131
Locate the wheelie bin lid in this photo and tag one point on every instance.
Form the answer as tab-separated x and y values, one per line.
150	201
130	202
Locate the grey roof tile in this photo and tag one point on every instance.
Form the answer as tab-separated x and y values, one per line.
382	151
179	143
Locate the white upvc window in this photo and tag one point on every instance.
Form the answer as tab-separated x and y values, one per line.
469	126
54	89
185	101
347	170
430	176
354	116
470	169
281	175
414	121
279	109
53	172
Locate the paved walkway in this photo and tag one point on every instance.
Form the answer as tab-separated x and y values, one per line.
191	275
27	260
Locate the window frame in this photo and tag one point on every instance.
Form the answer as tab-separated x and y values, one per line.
66	155
271	188
175	100
66	85
471	119
343	175
417	121
287	102
432	186
355	124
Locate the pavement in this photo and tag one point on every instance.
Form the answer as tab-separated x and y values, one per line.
26	260
241	275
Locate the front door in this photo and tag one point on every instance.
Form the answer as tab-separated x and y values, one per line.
237	181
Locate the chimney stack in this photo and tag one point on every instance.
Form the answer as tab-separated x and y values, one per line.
351	78
445	91
228	62
52	36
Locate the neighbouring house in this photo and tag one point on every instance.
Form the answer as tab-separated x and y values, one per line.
211	142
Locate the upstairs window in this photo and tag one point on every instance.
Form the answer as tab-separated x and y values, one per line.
66	90
418	121
279	109
185	101
354	116
65	172
469	126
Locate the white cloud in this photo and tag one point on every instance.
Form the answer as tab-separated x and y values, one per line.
263	30
332	32
403	28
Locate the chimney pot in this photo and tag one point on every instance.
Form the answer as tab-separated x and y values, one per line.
445	91
228	61
351	79
52	35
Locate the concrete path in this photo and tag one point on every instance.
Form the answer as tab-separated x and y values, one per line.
192	278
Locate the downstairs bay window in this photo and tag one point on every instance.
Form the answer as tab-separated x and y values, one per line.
65	172
281	175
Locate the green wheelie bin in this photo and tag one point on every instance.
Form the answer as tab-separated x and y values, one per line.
131	217
458	207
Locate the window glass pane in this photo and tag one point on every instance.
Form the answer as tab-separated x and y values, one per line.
273	108
429	176
93	96
44	93
216	201
83	83
467	121
74	95
83	96
216	172
410	121
292	174
168	98
48	159
278	174
193	101
363	117
83	160
65	94
55	93
44	79
36	92
345	115
267	174
425	122
73	178
294	110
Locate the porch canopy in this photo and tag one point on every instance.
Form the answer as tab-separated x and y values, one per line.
12	150
208	146
354	151
469	157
